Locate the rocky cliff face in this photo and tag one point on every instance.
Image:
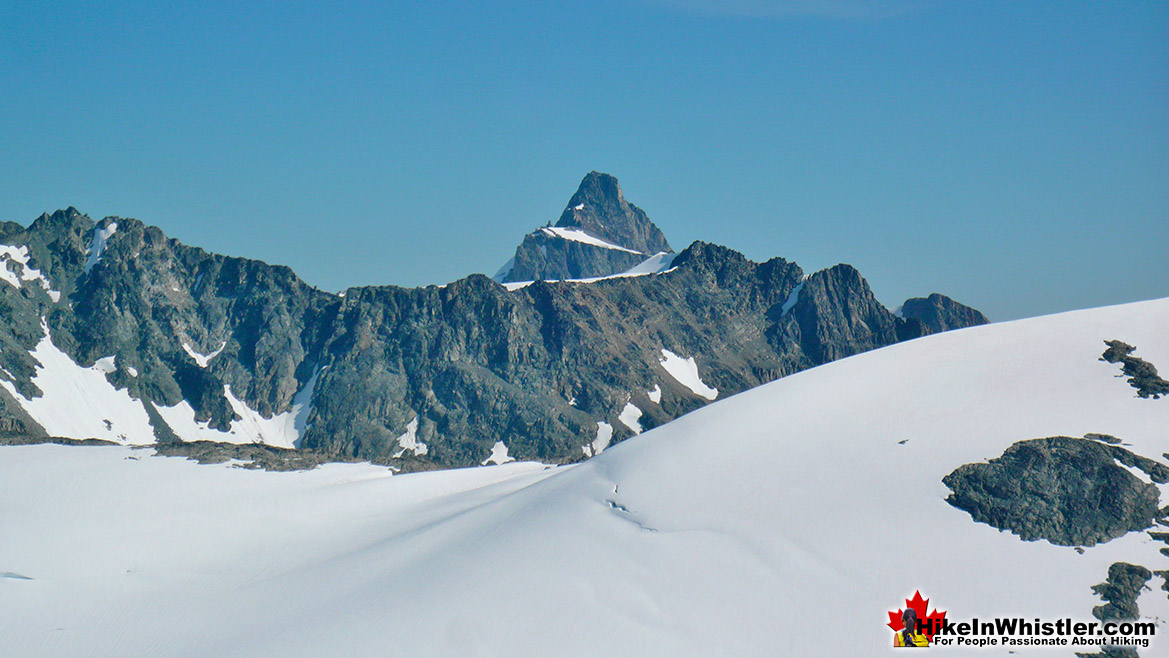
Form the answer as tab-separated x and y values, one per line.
598	234
114	331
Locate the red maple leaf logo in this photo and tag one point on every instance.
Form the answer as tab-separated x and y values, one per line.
919	606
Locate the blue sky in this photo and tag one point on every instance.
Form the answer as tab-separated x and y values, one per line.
1014	155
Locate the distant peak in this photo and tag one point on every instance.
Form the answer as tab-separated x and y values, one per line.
598	187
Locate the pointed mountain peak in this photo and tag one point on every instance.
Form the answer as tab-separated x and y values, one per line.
599	189
599	208
598	234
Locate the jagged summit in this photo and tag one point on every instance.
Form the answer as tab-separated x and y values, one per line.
599	207
598	234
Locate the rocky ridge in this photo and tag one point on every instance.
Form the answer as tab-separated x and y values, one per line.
196	346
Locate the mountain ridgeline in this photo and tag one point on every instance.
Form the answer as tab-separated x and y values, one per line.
199	346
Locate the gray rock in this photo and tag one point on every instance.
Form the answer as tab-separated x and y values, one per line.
940	313
1142	374
1069	491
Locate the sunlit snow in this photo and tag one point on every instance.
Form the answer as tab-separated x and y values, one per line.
655	395
409	440
203	359
498	455
630	417
685	372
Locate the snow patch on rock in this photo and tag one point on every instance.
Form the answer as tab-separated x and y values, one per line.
283	430
409	440
685	372
655	395
97	245
10	254
630	417
498	455
106	364
577	235
203	359
604	436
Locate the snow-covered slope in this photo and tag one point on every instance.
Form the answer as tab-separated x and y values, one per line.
727	532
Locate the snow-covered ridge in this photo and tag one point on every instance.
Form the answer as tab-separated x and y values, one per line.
577	235
659	263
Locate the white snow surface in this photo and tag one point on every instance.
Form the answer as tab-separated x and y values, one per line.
577	235
203	359
80	402
498	455
685	372
98	244
672	548
409	440
655	395
19	254
604	436
630	417
106	364
659	263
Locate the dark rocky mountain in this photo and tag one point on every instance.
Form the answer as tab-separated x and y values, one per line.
198	346
598	234
940	313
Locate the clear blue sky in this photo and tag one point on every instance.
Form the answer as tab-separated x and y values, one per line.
1014	155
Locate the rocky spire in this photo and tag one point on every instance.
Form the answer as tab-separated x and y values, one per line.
598	234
